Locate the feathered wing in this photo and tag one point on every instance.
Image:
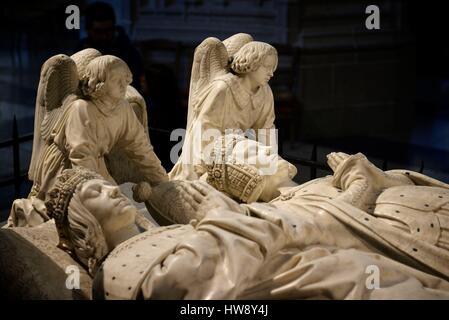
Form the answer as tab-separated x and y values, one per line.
83	58
58	81
235	42
120	167
137	102
210	60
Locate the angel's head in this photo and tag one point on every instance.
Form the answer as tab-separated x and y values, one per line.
106	76
257	60
88	210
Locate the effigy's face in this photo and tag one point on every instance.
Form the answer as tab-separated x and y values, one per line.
116	83
106	202
265	72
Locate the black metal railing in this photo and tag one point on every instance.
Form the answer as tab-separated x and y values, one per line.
15	142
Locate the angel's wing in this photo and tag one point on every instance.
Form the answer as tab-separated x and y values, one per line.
209	61
137	102
235	42
58	80
82	59
119	166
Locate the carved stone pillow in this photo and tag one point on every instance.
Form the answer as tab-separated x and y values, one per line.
34	268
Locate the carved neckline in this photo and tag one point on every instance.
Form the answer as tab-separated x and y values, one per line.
106	108
241	95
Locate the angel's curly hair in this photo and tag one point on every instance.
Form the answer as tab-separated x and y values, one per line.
250	57
92	83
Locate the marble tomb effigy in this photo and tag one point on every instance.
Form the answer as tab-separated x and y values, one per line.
227	229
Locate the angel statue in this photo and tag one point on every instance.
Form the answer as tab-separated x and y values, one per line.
82	122
325	239
117	162
228	91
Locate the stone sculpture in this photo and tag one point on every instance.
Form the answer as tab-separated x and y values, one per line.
98	122
315	240
228	91
117	162
228	229
241	168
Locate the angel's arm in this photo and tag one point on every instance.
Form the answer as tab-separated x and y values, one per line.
138	148
81	138
266	117
214	119
214	109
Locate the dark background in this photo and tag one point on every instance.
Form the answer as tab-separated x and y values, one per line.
339	86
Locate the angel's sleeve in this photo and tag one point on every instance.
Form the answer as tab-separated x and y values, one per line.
137	146
80	136
215	115
215	107
266	117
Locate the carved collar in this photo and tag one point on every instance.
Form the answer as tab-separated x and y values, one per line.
241	95
107	109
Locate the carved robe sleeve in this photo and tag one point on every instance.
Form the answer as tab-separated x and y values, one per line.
266	118
81	139
362	182
215	107
213	261
138	148
214	119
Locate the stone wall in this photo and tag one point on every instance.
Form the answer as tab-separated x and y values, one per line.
191	21
354	81
357	93
349	81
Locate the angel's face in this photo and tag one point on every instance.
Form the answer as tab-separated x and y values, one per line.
106	203
116	83
264	73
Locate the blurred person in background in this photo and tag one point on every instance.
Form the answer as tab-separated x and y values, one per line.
110	39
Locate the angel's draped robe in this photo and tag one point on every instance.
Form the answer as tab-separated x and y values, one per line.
223	105
85	134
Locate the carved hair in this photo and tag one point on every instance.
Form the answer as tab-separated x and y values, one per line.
96	74
79	231
85	233
251	56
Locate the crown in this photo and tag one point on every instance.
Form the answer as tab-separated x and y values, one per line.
238	180
59	199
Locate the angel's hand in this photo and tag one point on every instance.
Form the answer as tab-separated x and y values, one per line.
142	191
